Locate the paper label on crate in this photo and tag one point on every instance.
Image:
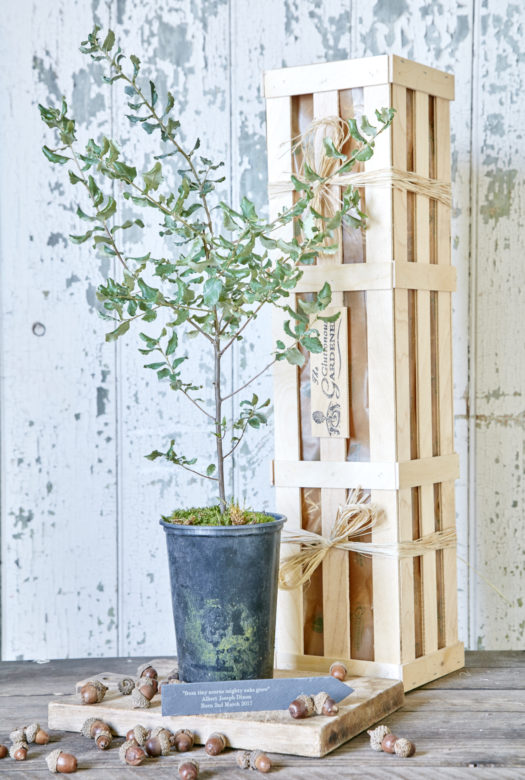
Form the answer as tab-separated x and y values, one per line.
329	387
245	695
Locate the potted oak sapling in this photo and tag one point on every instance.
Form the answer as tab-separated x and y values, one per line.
220	266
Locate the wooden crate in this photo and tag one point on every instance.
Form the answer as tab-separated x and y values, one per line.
395	283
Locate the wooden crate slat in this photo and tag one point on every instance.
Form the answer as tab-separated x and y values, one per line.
381	390
401	353
445	386
348	74
424	276
424	371
286	383
370	475
419	77
326	76
336	591
384	275
413	673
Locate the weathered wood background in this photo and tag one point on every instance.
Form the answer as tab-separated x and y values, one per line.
83	563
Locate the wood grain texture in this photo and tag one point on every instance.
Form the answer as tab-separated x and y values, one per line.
488	746
371	699
77	415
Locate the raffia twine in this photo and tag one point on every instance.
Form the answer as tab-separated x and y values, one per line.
325	200
356	517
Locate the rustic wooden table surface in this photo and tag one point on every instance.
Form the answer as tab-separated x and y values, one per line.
468	724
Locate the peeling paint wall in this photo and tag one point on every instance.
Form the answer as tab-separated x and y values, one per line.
83	568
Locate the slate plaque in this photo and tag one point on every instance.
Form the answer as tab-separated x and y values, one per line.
245	695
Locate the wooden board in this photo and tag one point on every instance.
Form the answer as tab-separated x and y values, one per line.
371	700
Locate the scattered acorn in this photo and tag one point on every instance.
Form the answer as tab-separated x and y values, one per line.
324	704
254	759
387	745
131	753
18	751
139	734
3	751
183	740
189	770
404	748
60	762
338	670
126	685
30	734
143	692
215	744
18	735
147	670
96	729
92	692
302	707
159	742
376	737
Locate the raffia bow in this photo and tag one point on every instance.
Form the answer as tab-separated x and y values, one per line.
326	200
356	517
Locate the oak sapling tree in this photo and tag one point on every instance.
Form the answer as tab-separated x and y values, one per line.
221	264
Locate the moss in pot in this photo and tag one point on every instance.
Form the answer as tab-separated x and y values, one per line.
222	265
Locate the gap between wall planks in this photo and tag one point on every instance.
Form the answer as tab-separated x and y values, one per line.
336	576
286	376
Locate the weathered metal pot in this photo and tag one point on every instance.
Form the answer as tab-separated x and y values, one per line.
224	582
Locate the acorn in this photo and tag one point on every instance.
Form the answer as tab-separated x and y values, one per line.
30	734
3	751
96	729
159	743
183	740
92	692
376	737
215	744
126	685
147	670
302	707
189	770
143	692
139	734
338	670
60	762
18	751
18	735
324	704
131	753
404	748
388	743
260	761
243	759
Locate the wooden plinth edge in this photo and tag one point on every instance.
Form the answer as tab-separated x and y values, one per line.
370	701
412	674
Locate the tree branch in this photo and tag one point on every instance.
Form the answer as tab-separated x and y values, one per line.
105	224
239	389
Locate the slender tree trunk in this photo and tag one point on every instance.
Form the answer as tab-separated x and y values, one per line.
218	428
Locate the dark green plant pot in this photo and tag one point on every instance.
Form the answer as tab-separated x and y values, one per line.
224	582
